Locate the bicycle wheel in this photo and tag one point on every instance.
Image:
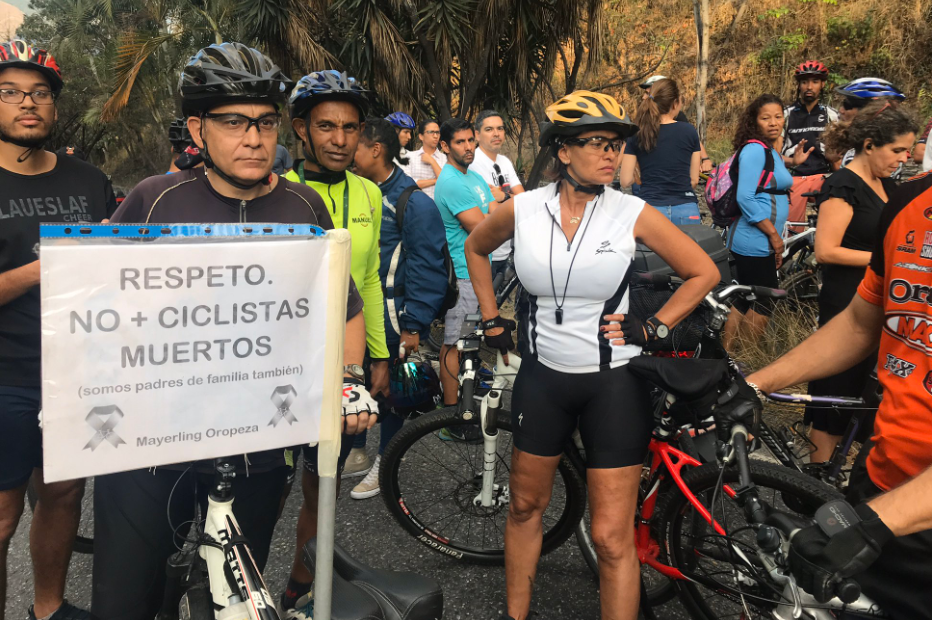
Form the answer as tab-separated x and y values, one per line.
802	288
429	485
435	336
721	587
84	542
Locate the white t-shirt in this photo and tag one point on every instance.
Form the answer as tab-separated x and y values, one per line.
597	285
419	171
485	167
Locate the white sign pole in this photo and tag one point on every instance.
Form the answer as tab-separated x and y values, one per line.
331	421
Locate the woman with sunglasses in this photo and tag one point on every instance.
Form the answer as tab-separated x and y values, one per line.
850	204
574	246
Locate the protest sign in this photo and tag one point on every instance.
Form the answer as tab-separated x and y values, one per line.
167	345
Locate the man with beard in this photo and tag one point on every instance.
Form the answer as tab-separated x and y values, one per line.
805	121
37	186
464	199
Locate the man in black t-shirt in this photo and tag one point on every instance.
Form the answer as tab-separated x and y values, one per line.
806	120
35	186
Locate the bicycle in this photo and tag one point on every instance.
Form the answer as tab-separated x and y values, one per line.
214	575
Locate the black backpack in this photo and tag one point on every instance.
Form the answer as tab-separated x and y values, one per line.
453	289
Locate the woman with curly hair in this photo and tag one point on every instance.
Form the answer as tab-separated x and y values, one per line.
755	239
850	204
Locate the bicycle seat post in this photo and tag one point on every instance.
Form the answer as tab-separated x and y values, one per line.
225	473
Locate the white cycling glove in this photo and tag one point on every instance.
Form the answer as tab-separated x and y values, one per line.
356	398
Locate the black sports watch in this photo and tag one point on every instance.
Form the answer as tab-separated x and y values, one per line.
656	329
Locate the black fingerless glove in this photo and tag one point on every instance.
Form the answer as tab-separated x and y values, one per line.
633	330
501	342
738	404
843	543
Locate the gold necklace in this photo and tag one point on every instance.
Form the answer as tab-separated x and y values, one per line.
575	220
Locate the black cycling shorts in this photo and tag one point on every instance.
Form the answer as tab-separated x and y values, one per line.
756	271
133	539
611	408
899	580
310	454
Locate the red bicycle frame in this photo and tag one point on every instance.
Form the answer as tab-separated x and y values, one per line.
663	455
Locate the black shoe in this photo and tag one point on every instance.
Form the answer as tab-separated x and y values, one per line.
67	611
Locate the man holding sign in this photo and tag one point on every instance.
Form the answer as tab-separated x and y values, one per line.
35	187
231	95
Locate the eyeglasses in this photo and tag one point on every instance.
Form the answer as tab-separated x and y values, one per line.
432	132
239	124
498	173
597	144
39	97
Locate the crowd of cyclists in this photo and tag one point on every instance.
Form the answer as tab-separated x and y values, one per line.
430	230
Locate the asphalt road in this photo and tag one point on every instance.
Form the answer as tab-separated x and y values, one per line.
565	587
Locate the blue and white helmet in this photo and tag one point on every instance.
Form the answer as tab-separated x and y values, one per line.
401	120
328	85
870	88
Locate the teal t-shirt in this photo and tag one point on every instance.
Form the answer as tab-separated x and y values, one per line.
457	192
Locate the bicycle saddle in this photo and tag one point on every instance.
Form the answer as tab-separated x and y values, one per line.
689	379
349	601
401	595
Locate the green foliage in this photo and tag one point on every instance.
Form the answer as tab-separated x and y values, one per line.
843	31
776	13
780	45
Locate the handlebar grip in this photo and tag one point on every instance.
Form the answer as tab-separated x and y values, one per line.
848	591
773	293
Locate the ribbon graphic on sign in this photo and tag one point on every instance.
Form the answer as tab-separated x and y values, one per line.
282	398
104	420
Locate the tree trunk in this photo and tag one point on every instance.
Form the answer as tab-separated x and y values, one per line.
701	11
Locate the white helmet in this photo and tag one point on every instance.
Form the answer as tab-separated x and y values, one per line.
650	81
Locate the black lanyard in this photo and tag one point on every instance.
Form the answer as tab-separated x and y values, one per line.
345	194
558	313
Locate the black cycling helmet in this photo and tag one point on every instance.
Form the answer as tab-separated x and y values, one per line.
19	54
329	85
228	72
178	134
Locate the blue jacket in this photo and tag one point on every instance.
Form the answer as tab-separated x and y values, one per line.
420	278
746	238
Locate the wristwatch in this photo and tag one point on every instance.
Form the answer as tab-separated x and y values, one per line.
414	332
355	370
656	328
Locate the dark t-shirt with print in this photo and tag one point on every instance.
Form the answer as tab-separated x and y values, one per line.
73	192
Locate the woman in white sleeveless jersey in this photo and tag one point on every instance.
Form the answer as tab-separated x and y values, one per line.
574	249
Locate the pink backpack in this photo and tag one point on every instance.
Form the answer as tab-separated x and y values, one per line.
721	191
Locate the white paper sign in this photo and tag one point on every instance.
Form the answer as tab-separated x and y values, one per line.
158	353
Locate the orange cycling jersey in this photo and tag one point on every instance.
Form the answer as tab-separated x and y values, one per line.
899	280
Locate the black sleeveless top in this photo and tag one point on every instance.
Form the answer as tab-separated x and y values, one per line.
840	282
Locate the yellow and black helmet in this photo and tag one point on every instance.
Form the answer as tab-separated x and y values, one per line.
581	111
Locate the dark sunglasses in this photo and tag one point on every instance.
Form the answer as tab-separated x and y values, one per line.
498	172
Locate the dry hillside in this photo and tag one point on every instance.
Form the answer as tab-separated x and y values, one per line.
891	39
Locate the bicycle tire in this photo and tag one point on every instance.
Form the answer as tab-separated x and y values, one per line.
403	453
701	601
82	544
802	288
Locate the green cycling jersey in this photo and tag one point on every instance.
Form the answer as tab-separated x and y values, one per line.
363	219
